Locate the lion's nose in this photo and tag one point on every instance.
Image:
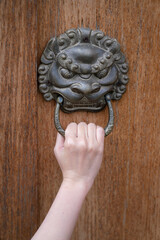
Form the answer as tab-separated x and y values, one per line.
85	89
85	68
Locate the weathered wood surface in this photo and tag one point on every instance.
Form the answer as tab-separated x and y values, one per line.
18	185
124	203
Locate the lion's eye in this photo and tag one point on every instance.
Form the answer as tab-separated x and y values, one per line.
66	73
102	73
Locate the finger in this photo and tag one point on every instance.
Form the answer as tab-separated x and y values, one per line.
92	132
71	130
59	142
82	130
100	135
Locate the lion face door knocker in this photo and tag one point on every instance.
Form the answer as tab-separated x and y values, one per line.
83	69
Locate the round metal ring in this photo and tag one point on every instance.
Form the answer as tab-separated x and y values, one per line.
107	129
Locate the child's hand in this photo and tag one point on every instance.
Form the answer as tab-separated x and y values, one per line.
80	153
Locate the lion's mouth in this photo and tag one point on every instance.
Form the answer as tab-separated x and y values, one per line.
84	104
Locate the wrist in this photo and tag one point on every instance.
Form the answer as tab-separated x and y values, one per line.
81	186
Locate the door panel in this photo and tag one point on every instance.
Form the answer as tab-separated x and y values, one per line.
124	202
19	149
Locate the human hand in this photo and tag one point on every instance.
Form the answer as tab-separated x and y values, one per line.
80	153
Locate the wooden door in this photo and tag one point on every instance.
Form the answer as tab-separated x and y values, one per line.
124	203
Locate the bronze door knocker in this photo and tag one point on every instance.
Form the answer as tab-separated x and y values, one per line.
83	69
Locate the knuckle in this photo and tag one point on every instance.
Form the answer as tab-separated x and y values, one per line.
100	149
70	143
82	145
91	149
94	148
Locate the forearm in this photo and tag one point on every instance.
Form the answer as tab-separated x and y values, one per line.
62	216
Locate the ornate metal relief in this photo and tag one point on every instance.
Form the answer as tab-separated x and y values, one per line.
83	69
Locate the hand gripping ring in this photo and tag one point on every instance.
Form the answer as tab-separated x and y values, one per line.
107	129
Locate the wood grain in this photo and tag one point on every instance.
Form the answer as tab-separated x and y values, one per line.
18	211
124	203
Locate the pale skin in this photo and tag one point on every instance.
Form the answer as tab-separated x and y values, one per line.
79	155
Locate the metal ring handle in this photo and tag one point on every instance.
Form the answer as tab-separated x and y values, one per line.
56	116
110	124
107	129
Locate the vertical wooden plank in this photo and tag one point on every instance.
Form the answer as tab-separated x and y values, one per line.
18	212
143	203
48	171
